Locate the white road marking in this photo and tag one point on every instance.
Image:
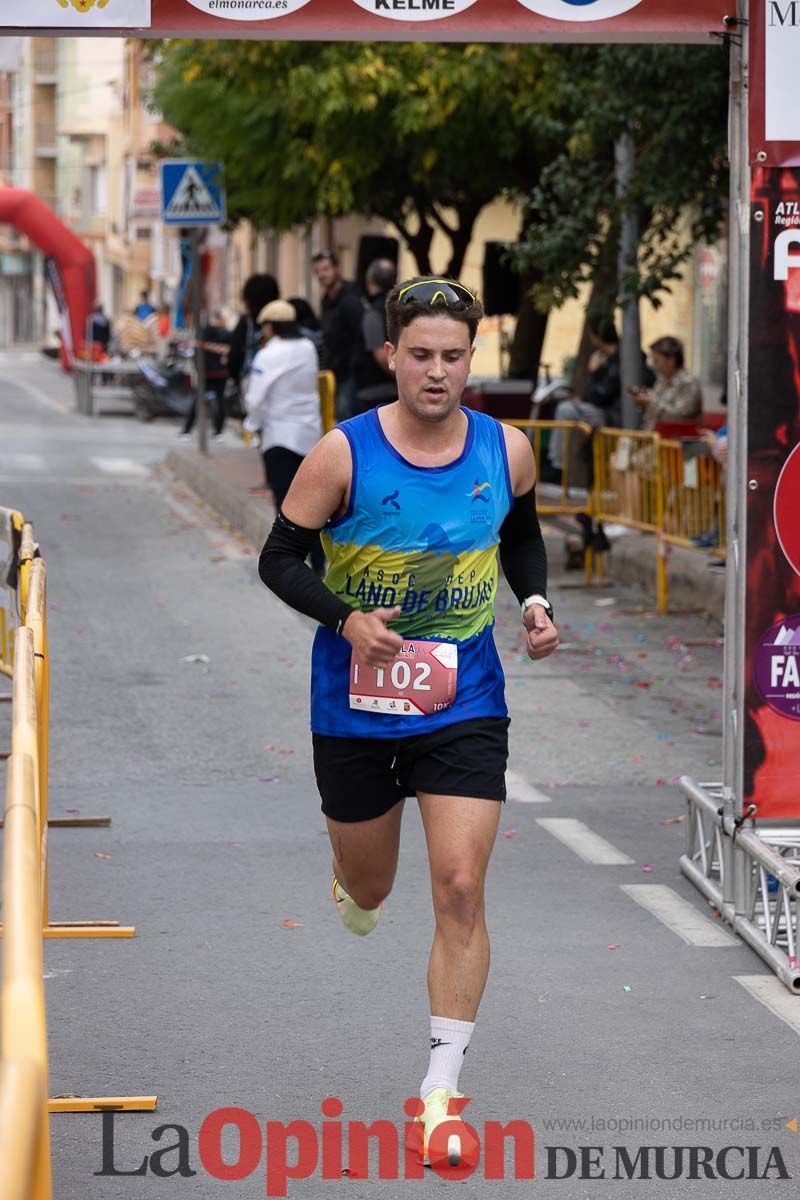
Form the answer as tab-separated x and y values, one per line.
774	996
679	915
120	466
521	791
16	460
587	844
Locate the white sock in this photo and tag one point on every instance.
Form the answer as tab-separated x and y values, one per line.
449	1042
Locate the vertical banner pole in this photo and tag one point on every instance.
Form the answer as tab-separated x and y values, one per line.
738	341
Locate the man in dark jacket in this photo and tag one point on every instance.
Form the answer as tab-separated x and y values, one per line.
374	382
341	323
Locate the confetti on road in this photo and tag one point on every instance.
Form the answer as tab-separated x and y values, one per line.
290	924
614	946
196	658
647	867
73	812
269	779
103	855
627	988
672	820
510	833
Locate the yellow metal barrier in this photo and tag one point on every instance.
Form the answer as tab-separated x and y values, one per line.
629	489
326	386
24	1121
694	495
572	495
11	523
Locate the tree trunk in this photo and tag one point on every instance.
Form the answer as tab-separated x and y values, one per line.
526	347
460	239
602	303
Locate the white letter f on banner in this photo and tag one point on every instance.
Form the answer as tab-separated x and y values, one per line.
783	259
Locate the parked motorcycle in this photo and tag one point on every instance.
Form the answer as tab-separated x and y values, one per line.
164	387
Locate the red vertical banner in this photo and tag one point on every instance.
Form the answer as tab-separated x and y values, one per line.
772	627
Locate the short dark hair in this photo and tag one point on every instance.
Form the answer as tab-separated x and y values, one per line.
285	329
670	347
399	316
383	273
258	291
325	255
305	313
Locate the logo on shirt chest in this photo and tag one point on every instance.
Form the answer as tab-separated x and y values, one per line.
480	501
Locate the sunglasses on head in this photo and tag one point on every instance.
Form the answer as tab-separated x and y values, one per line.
436	291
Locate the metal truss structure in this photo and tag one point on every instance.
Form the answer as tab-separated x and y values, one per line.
751	875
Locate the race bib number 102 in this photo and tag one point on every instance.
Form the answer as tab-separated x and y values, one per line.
421	680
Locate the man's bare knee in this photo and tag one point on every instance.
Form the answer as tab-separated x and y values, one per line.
458	898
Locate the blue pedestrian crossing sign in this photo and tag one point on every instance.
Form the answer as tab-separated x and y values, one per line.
192	193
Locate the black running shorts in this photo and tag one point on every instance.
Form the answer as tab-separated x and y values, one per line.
362	778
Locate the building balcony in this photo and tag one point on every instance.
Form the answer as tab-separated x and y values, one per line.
45	139
45	62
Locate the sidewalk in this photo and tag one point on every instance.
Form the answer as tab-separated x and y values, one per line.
222	478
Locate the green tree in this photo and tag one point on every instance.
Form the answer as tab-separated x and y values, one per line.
673	100
422	135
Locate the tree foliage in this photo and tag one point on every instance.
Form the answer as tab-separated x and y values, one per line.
422	135
673	100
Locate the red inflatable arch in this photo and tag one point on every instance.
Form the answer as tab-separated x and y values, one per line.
74	260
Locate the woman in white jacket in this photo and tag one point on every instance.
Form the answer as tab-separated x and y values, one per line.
282	399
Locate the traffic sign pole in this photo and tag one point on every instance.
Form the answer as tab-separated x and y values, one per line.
199	352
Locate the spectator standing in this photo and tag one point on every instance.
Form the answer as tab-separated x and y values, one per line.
164	321
245	340
99	331
282	401
374	383
341	324
215	342
144	308
677	395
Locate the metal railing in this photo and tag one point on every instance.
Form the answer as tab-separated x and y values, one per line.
694	496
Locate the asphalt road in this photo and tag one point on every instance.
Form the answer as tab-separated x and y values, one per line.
596	1011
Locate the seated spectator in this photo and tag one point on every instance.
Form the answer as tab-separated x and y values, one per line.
677	395
601	403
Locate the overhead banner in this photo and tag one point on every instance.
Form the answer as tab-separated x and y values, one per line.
343	20
772	623
76	15
774	58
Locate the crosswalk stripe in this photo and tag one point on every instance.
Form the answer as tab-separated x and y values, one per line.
18	461
520	790
584	842
679	915
773	995
119	466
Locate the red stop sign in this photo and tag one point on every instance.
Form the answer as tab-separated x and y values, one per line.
787	509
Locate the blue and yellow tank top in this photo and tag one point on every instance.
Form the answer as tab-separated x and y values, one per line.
423	538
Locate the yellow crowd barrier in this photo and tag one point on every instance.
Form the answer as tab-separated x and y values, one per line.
326	386
24	1122
629	489
11	523
694	495
572	494
25	1171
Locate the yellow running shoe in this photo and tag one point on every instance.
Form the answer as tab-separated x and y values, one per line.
435	1112
359	921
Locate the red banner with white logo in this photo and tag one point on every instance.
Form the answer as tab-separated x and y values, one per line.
772	623
429	20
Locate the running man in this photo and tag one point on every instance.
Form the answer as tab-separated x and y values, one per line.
407	692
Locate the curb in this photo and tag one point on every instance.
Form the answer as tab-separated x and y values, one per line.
245	514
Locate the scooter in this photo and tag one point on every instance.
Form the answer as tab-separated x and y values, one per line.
163	388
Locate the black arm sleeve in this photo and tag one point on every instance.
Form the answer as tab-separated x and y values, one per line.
522	551
282	567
